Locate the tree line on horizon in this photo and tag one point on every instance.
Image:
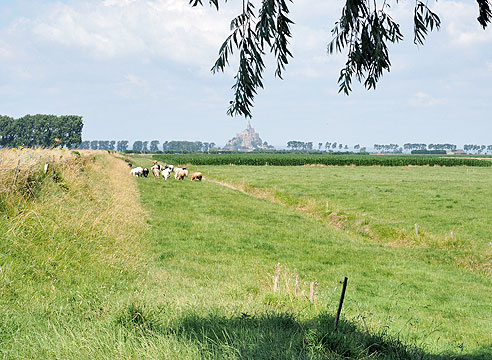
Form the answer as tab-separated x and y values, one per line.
328	146
148	146
41	130
300	146
308	146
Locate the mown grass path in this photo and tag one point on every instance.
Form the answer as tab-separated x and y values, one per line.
216	249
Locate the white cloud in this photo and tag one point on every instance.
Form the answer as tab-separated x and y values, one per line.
311	59
116	29
6	52
134	87
459	20
425	100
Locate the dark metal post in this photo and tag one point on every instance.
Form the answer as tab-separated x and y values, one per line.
340	303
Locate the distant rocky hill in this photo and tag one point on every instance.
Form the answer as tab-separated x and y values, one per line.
247	140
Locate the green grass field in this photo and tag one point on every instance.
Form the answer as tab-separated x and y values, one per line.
450	205
417	293
190	275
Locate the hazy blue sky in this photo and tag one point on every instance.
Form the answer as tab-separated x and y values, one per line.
140	69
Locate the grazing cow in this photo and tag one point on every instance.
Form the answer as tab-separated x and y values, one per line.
145	172
196	176
166	173
138	171
130	165
170	167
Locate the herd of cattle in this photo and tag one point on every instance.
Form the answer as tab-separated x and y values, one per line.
166	170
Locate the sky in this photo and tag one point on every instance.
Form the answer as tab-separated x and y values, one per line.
140	70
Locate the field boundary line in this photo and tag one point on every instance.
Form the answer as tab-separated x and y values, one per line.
258	194
333	219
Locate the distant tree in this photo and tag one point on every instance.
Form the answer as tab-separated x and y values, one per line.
346	147
85	145
356	147
154	145
294	145
94	144
103	145
388	148
319	146
334	145
122	145
197	146
144	146
327	145
137	145
340	146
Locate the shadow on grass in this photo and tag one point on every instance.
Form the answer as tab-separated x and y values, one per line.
278	335
282	336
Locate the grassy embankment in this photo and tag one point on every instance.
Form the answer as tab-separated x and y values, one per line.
69	254
83	276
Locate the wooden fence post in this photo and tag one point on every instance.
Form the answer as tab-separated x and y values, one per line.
342	296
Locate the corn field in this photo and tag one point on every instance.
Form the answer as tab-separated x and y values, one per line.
258	159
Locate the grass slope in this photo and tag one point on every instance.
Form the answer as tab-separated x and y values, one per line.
68	256
218	248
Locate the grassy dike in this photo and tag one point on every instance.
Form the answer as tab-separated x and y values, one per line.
94	268
70	253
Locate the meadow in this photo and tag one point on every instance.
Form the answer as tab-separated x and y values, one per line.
108	267
444	208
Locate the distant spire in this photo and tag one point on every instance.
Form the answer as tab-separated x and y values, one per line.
249	125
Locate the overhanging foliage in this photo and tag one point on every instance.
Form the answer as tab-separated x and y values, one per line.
364	30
